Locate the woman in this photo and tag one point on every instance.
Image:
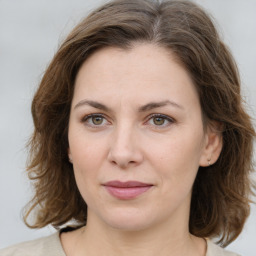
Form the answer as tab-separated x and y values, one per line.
141	143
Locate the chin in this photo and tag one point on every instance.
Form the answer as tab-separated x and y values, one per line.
129	225
128	220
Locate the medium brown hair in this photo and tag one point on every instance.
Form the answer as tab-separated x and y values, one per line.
221	192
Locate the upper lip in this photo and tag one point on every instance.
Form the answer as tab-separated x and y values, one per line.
126	184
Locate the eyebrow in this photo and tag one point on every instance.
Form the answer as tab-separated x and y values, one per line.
93	104
153	105
144	108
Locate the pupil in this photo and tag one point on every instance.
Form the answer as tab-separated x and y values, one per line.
97	120
158	120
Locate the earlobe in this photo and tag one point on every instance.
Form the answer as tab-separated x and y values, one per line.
209	160
212	147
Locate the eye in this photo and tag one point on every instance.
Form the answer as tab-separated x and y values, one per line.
160	120
95	120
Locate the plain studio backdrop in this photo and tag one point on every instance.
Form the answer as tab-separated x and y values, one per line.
30	33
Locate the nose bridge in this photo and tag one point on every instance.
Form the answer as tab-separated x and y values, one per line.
124	148
124	134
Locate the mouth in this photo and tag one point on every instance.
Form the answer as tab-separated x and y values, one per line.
126	190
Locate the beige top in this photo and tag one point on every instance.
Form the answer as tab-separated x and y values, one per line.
51	246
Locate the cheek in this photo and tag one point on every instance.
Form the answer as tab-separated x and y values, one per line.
86	150
85	154
85	166
177	158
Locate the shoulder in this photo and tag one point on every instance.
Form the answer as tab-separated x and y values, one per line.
215	250
50	246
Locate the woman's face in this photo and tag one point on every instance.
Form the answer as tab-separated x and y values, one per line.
136	137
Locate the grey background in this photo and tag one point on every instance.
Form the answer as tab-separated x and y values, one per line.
30	32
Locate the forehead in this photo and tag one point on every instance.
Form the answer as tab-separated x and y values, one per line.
141	71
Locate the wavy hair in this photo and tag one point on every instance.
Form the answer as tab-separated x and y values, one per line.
221	192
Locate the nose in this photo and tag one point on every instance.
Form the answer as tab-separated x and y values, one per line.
124	151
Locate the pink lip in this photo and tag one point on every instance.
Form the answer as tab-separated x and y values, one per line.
126	190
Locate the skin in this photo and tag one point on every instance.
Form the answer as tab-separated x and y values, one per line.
127	141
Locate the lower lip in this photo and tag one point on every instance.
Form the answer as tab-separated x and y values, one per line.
127	192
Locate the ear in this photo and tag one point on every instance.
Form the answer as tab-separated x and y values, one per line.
212	145
70	156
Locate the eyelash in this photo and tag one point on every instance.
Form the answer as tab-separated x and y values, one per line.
164	117
90	116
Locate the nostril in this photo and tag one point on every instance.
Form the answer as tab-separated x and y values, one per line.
124	149
123	158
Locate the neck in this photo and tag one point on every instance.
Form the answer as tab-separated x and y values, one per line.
99	239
